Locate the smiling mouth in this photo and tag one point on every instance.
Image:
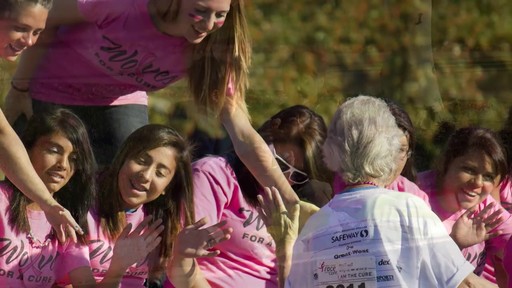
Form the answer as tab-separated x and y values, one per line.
137	187
57	177
470	194
16	49
199	33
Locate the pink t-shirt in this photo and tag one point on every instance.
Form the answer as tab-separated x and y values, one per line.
248	258
475	254
401	184
507	261
21	264
101	251
110	59
506	193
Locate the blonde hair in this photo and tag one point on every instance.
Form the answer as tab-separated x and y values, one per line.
221	59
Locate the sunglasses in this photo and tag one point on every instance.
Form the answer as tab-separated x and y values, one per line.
295	175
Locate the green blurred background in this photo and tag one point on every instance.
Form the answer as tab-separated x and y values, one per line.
441	60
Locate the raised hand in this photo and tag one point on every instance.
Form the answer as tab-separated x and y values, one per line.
132	247
281	224
194	241
472	228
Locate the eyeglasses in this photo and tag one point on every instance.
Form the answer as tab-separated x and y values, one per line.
295	175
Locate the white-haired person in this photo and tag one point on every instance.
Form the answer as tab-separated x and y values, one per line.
369	236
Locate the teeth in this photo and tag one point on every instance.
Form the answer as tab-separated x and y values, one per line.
16	49
137	187
471	194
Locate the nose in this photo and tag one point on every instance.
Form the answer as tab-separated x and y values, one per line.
478	180
29	39
63	163
144	175
209	23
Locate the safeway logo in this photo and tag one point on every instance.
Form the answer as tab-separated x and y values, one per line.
350	235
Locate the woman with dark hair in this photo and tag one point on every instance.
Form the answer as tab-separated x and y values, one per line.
60	152
150	176
21	22
225	190
473	165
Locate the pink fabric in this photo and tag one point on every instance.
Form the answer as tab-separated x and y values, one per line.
22	265
401	184
507	261
248	258
111	59
101	251
506	193
475	254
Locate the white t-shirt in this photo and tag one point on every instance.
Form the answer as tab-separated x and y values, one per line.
374	237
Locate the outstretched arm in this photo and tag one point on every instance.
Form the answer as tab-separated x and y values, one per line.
254	152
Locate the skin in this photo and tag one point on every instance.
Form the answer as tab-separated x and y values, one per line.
196	19
468	181
402	157
53	158
292	154
21	30
144	178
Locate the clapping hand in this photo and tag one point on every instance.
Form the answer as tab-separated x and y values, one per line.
194	241
472	228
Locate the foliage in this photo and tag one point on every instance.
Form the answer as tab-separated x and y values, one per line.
441	60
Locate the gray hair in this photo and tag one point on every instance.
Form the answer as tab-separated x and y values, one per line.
363	141
8	7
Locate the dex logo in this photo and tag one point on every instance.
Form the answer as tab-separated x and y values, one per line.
383	262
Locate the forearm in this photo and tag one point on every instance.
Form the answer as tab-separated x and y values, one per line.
185	273
284	253
16	165
255	154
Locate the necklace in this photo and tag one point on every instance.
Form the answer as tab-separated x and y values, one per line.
363	183
36	243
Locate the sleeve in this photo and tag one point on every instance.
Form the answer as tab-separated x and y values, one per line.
442	260
100	11
71	256
212	189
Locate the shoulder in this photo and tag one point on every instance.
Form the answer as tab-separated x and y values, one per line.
403	184
212	164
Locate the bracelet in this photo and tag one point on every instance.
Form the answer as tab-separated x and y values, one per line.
18	88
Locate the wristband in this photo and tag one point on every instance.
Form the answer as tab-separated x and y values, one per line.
18	88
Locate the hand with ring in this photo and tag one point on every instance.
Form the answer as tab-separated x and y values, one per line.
282	225
194	241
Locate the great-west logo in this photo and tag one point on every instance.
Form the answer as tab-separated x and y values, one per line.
350	235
